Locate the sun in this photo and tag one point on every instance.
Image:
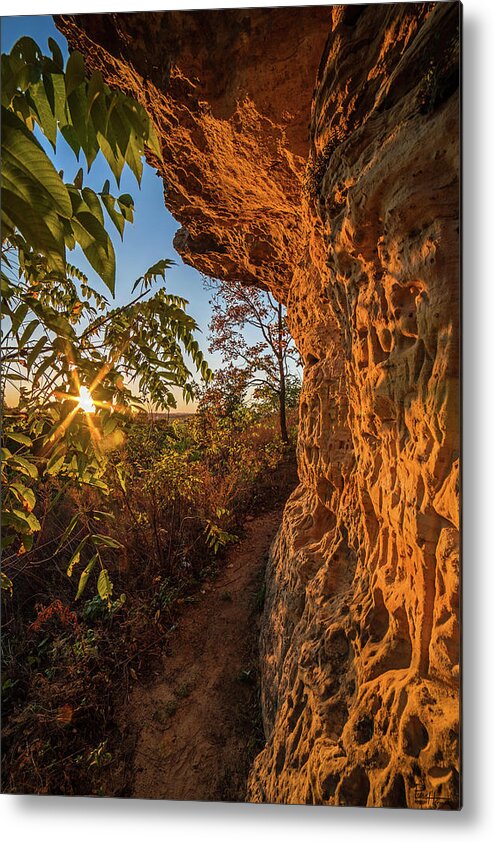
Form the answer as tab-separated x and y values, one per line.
85	400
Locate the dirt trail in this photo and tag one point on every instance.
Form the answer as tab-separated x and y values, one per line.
197	725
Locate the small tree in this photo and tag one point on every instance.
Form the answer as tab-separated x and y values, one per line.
227	393
248	327
65	350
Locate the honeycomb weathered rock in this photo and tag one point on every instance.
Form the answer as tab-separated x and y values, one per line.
360	641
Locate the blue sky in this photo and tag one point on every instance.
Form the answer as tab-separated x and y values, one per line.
150	238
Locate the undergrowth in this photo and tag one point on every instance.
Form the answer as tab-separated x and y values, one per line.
180	492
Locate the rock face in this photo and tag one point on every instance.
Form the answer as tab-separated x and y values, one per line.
354	225
232	105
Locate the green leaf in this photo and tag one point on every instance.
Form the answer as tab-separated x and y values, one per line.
60	102
8	290
105	587
53	320
70	135
97	246
54	464
75	73
73	562
126	200
18	316
7	584
117	218
134	157
121	477
24	466
17	520
26	336
153	140
85	576
21	438
76	556
99	515
27	48
106	541
34	354
78	115
91	149
93	204
27	542
134	114
30	519
95	89
24	494
56	53
110	424
33	522
47	121
159	268
81	463
98	483
34	198
120	129
46	364
30	160
113	156
78	179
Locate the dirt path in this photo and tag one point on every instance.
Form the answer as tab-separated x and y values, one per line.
198	726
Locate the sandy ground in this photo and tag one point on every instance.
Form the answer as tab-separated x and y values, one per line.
197	727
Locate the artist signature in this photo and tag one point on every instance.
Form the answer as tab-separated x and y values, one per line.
426	798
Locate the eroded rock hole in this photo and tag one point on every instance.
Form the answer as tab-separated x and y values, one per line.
364	730
328	786
415	736
354	789
336	717
378	619
280	759
311	360
337	649
397	793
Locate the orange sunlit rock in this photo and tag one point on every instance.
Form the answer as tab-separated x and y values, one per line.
348	211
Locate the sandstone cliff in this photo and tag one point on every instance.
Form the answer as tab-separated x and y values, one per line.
314	151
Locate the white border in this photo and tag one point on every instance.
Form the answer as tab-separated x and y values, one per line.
79	820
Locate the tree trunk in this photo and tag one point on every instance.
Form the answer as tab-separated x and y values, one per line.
282	392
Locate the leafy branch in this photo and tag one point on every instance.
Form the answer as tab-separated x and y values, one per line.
60	335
